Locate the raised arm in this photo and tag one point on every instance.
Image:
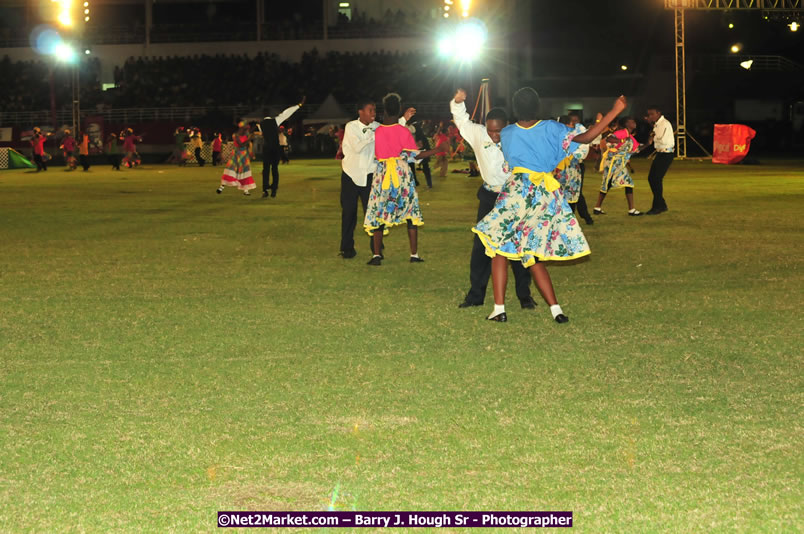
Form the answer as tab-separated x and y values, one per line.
285	115
596	129
466	127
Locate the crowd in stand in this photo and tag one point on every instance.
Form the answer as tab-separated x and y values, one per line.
223	80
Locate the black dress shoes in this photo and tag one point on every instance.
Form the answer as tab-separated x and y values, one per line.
501	318
561	318
527	303
348	254
376	260
415	259
467	304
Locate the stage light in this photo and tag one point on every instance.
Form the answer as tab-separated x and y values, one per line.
86	19
445	46
623	67
747	64
44	39
87	51
735	48
470	38
86	12
64	53
446	8
65	19
793	26
731	25
446	15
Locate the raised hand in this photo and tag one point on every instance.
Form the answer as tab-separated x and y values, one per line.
620	104
410	112
460	96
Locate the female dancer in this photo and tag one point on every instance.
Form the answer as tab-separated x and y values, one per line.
532	221
68	146
621	146
238	169
132	158
393	199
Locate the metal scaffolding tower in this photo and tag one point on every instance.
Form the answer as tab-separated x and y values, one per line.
793	7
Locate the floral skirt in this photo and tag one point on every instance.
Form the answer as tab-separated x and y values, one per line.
530	223
615	174
238	172
390	203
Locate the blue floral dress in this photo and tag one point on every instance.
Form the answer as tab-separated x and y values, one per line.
615	168
532	220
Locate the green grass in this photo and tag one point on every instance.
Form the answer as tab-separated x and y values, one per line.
166	353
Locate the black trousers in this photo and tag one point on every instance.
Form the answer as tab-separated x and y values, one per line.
658	169
350	193
198	157
114	159
480	264
270	165
84	159
40	163
216	158
583	210
426	171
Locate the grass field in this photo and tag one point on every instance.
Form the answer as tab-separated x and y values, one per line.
166	352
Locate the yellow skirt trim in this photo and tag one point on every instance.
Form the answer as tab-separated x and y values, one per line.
492	249
370	229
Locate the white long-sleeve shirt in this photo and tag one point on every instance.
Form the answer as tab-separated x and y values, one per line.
490	158
358	150
663	138
285	115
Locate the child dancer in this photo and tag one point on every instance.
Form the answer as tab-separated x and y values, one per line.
83	150
217	142
442	158
532	221
38	144
621	145
269	128
238	169
393	199
196	144
112	151
132	158
495	173
68	146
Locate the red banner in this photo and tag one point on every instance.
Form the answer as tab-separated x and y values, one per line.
732	142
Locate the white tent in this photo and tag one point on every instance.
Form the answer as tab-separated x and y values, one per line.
330	112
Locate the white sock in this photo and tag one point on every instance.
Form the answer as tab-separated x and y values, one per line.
414	255
555	309
632	210
498	309
376	256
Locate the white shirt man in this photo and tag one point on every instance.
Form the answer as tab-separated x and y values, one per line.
485	141
358	166
663	139
271	151
664	142
490	159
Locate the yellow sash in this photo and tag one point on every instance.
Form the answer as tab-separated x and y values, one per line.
550	183
564	163
391	174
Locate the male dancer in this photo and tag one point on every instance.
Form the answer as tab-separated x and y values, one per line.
358	165
485	141
578	162
664	142
271	151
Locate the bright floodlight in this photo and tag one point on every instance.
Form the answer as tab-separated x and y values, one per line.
65	19
735	48
794	26
445	48
731	25
469	39
64	53
623	67
747	64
